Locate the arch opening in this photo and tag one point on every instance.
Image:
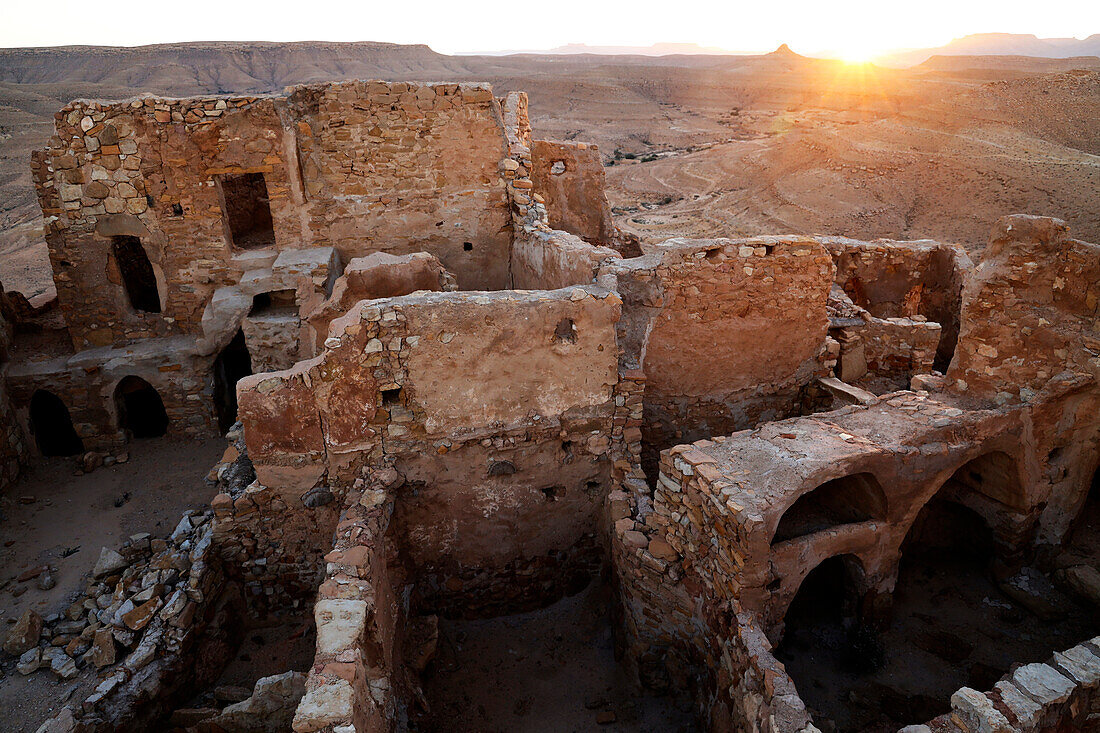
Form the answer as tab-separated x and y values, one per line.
52	426
140	409
137	274
846	500
994	475
825	643
231	365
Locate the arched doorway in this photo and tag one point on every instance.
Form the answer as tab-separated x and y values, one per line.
52	426
844	500
232	364
825	644
140	410
137	273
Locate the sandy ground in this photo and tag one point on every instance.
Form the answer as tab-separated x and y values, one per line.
548	670
163	477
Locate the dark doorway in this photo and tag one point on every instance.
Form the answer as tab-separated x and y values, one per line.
52	426
137	273
232	364
140	409
826	647
247	211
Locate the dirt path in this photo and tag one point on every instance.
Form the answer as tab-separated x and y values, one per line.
163	477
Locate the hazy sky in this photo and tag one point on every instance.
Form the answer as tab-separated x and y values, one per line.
856	27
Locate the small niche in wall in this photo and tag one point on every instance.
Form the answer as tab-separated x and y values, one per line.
137	273
391	397
565	332
274	303
467	246
246	209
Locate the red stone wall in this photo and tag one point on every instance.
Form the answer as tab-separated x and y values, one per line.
727	332
402	168
570	179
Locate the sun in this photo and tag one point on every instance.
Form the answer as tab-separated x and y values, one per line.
860	50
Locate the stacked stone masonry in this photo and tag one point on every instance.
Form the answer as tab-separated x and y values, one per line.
463	401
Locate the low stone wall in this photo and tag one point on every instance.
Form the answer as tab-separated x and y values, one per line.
551	260
358	678
1061	695
158	620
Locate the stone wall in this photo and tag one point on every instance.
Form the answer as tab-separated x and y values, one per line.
756	307
904	279
1062	694
403	168
550	260
86	383
570	179
494	409
1030	311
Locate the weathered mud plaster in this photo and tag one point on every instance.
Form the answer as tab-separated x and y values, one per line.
570	178
734	524
727	332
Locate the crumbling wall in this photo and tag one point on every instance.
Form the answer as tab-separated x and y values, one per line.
570	179
1029	312
454	391
550	260
905	279
727	332
379	275
403	168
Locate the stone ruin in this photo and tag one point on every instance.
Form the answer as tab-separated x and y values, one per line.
453	389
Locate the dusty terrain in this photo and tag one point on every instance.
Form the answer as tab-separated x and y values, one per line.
161	479
548	670
701	145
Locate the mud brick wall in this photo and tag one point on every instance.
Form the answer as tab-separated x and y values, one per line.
1030	310
728	332
550	260
403	168
904	279
570	179
504	458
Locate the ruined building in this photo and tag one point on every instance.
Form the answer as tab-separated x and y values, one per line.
461	393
